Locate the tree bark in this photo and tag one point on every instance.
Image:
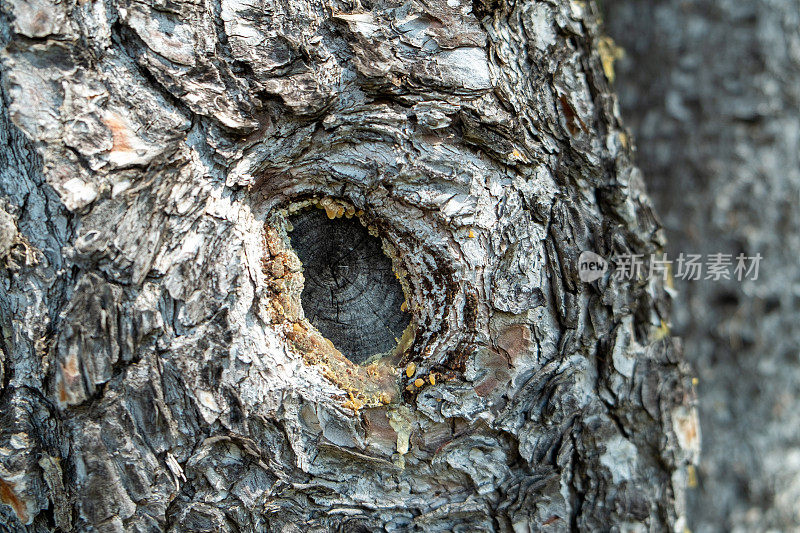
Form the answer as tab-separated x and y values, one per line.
158	370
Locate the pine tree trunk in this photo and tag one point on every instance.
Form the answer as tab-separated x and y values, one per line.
160	370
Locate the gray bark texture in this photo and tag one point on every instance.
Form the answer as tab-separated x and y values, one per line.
158	370
712	92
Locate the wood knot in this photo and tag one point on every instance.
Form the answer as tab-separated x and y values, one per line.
350	293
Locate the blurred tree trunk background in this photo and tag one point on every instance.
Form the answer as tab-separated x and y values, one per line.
711	90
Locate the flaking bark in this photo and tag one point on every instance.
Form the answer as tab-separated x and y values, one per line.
159	373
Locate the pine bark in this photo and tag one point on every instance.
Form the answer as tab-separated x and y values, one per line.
158	372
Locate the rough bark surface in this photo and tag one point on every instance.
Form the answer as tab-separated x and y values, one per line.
712	91
158	370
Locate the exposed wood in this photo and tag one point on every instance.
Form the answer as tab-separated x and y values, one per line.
350	292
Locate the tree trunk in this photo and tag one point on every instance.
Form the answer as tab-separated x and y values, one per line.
712	89
159	371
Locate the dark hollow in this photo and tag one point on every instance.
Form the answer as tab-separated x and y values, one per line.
351	294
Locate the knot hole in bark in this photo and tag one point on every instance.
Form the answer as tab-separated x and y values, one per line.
351	294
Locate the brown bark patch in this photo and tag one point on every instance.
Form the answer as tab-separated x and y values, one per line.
119	132
9	497
514	341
